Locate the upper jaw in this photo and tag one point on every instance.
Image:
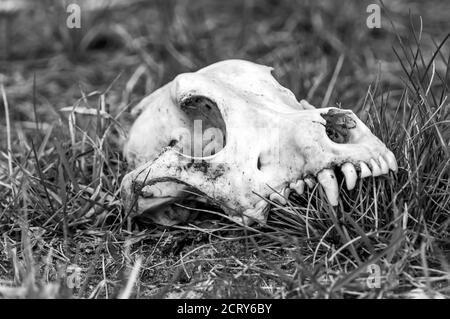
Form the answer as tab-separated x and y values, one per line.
351	170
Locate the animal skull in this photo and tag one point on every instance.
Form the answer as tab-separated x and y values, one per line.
231	133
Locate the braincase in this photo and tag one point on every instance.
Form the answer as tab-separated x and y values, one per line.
253	80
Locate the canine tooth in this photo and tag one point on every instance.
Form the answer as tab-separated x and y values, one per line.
376	170
365	171
298	186
277	198
328	181
350	175
310	182
383	165
392	162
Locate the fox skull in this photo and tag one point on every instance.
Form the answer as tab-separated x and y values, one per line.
232	135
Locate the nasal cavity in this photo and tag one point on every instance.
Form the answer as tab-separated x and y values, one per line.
338	125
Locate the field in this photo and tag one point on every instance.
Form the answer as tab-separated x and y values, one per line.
64	232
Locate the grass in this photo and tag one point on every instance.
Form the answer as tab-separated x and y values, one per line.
60	210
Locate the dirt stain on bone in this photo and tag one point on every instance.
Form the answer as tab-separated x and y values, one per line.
211	171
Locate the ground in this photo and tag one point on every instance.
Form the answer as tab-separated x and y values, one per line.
64	230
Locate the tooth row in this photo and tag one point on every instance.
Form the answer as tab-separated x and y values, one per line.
350	175
327	178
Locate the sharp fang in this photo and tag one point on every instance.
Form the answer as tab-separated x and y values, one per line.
310	182
383	165
298	187
376	170
350	175
277	198
328	181
392	162
365	171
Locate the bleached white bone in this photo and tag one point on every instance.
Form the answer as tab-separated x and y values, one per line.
270	142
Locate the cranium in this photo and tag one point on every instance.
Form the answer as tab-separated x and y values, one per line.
231	133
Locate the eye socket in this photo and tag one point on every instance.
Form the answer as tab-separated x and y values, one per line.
204	110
